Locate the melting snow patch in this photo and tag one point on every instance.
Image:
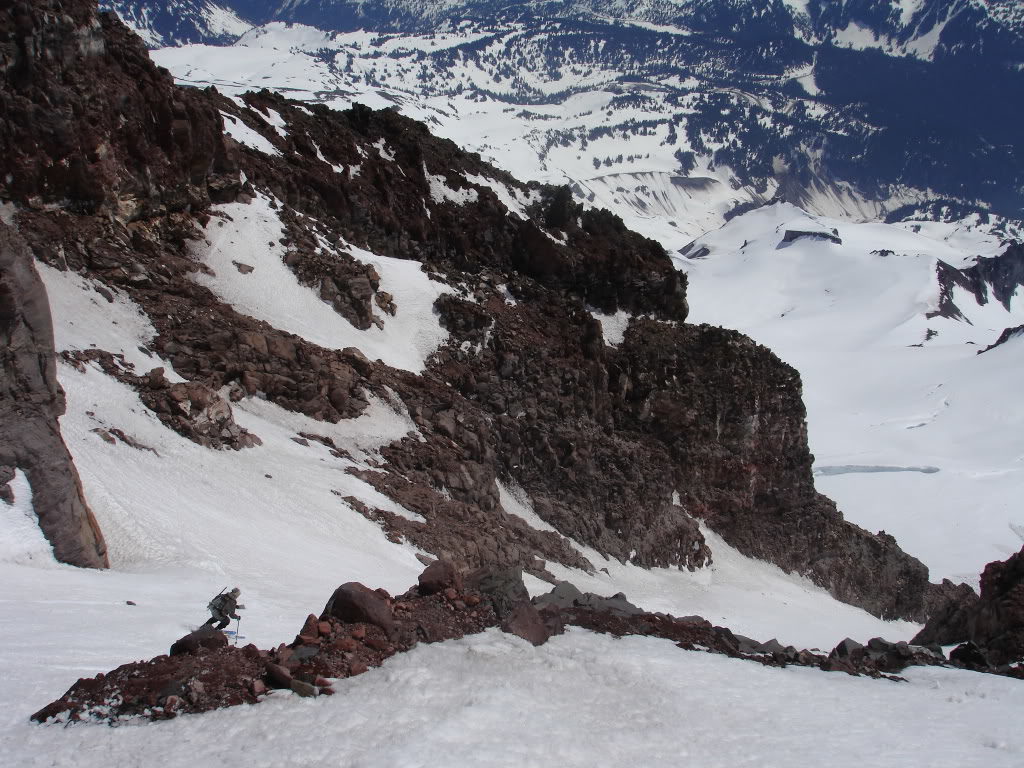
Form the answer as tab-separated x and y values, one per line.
613	326
84	318
277	122
440	192
21	540
515	501
243	134
273	294
514	200
382	147
320	156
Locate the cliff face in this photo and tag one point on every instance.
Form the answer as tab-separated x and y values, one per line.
621	447
31	401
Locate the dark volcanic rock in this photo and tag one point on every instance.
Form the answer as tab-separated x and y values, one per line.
1005	336
502	589
993	622
31	401
988	279
792	235
950	609
333	647
204	637
997	624
438	576
140	147
526	622
354	602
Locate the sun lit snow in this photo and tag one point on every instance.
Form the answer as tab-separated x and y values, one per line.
271	292
880	390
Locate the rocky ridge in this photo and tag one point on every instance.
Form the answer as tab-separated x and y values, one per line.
992	624
361	628
619	447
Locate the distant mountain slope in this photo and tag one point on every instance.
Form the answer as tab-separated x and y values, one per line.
178	22
855	108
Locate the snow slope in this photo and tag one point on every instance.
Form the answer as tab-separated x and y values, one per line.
182	522
917	437
250	233
581	700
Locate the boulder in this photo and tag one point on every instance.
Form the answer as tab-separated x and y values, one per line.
503	588
438	576
563	595
845	649
303	688
950	608
968	655
278	676
992	622
194	642
525	621
354	603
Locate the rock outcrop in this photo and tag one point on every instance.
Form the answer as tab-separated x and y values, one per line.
116	173
31	401
203	672
992	624
989	279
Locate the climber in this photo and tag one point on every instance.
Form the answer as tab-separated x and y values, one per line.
224	607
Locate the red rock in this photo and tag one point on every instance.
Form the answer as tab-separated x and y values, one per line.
357	668
346	644
359	633
172	703
309	627
258	688
355	603
439	575
321	682
451	593
324	627
838	665
472	600
525	621
377	643
193	642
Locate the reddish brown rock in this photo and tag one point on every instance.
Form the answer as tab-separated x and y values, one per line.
354	602
194	642
526	622
31	401
439	575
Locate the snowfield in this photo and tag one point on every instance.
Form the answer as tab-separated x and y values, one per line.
581	700
888	390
